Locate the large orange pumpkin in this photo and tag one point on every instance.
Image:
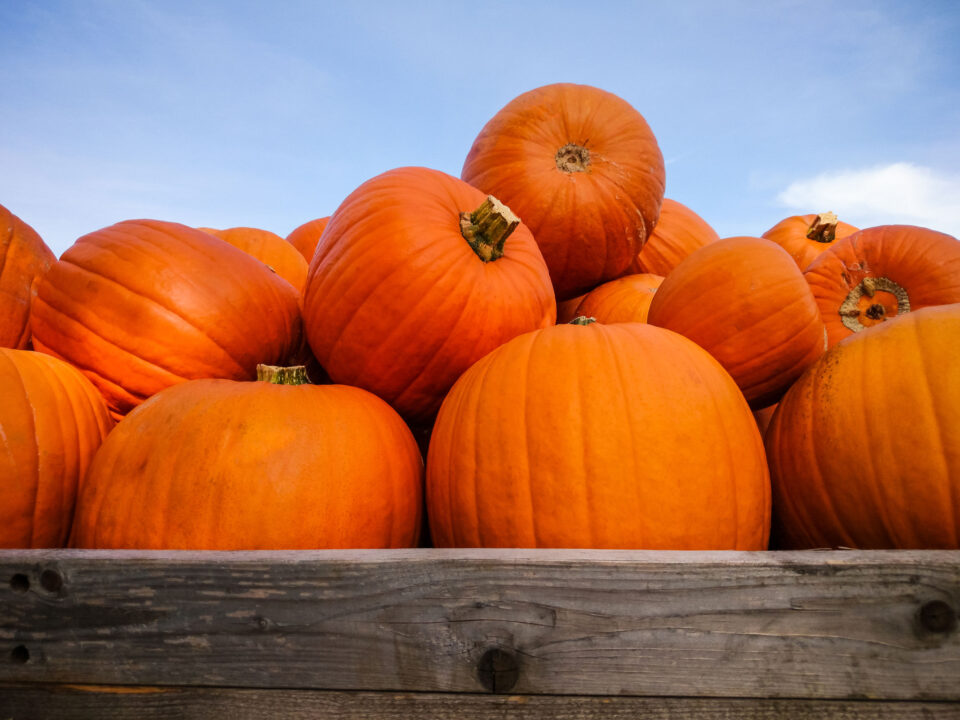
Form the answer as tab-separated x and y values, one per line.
603	436
225	465
269	248
626	299
52	420
582	169
864	449
881	272
678	233
145	304
745	301
417	276
24	258
305	237
806	236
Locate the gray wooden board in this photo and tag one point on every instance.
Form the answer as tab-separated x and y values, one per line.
33	702
817	625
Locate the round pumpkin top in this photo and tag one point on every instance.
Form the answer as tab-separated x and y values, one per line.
270	249
678	233
404	293
603	436
626	299
806	236
305	237
144	304
582	169
24	258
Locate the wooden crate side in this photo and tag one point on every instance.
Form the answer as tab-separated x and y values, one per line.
815	625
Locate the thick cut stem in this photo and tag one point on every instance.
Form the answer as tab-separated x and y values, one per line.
823	229
295	375
573	158
853	310
487	228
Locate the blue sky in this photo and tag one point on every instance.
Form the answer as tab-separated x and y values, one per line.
269	114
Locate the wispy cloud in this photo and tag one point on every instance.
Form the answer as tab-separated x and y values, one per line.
896	193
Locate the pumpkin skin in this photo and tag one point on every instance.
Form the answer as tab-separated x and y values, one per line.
145	304
864	449
24	258
52	420
625	299
226	465
881	272
270	249
583	170
305	237
597	436
745	301
678	233
806	236
398	303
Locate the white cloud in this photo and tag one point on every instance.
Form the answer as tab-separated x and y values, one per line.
900	193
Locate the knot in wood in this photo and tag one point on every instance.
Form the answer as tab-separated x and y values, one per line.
498	670
937	616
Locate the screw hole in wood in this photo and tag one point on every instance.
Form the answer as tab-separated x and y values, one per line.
20	654
20	582
51	581
498	670
937	616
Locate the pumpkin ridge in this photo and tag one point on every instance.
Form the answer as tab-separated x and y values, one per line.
169	311
35	455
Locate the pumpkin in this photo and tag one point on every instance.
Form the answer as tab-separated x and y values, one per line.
270	249
278	464
567	309
144	304
52	420
416	277
582	169
597	436
882	272
806	236
24	258
626	299
678	233
864	449
305	237
745	301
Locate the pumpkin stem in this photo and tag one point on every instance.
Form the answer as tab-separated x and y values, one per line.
487	228
572	158
823	229
861	308
295	375
582	320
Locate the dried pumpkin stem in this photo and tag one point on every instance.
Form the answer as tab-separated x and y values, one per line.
487	228
294	375
823	229
582	320
850	309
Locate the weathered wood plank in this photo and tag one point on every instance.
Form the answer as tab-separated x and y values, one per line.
827	625
27	702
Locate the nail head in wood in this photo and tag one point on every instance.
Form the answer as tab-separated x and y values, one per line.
51	580
937	616
20	582
20	654
498	670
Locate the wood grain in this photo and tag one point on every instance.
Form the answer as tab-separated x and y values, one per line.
29	702
814	625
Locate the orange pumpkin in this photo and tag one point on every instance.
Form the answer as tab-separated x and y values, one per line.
806	236
626	299
678	233
746	302
24	258
225	465
583	170
305	237
864	449
882	272
597	436
270	249
417	276
144	304
52	420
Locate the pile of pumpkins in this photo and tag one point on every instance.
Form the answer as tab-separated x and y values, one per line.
544	352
